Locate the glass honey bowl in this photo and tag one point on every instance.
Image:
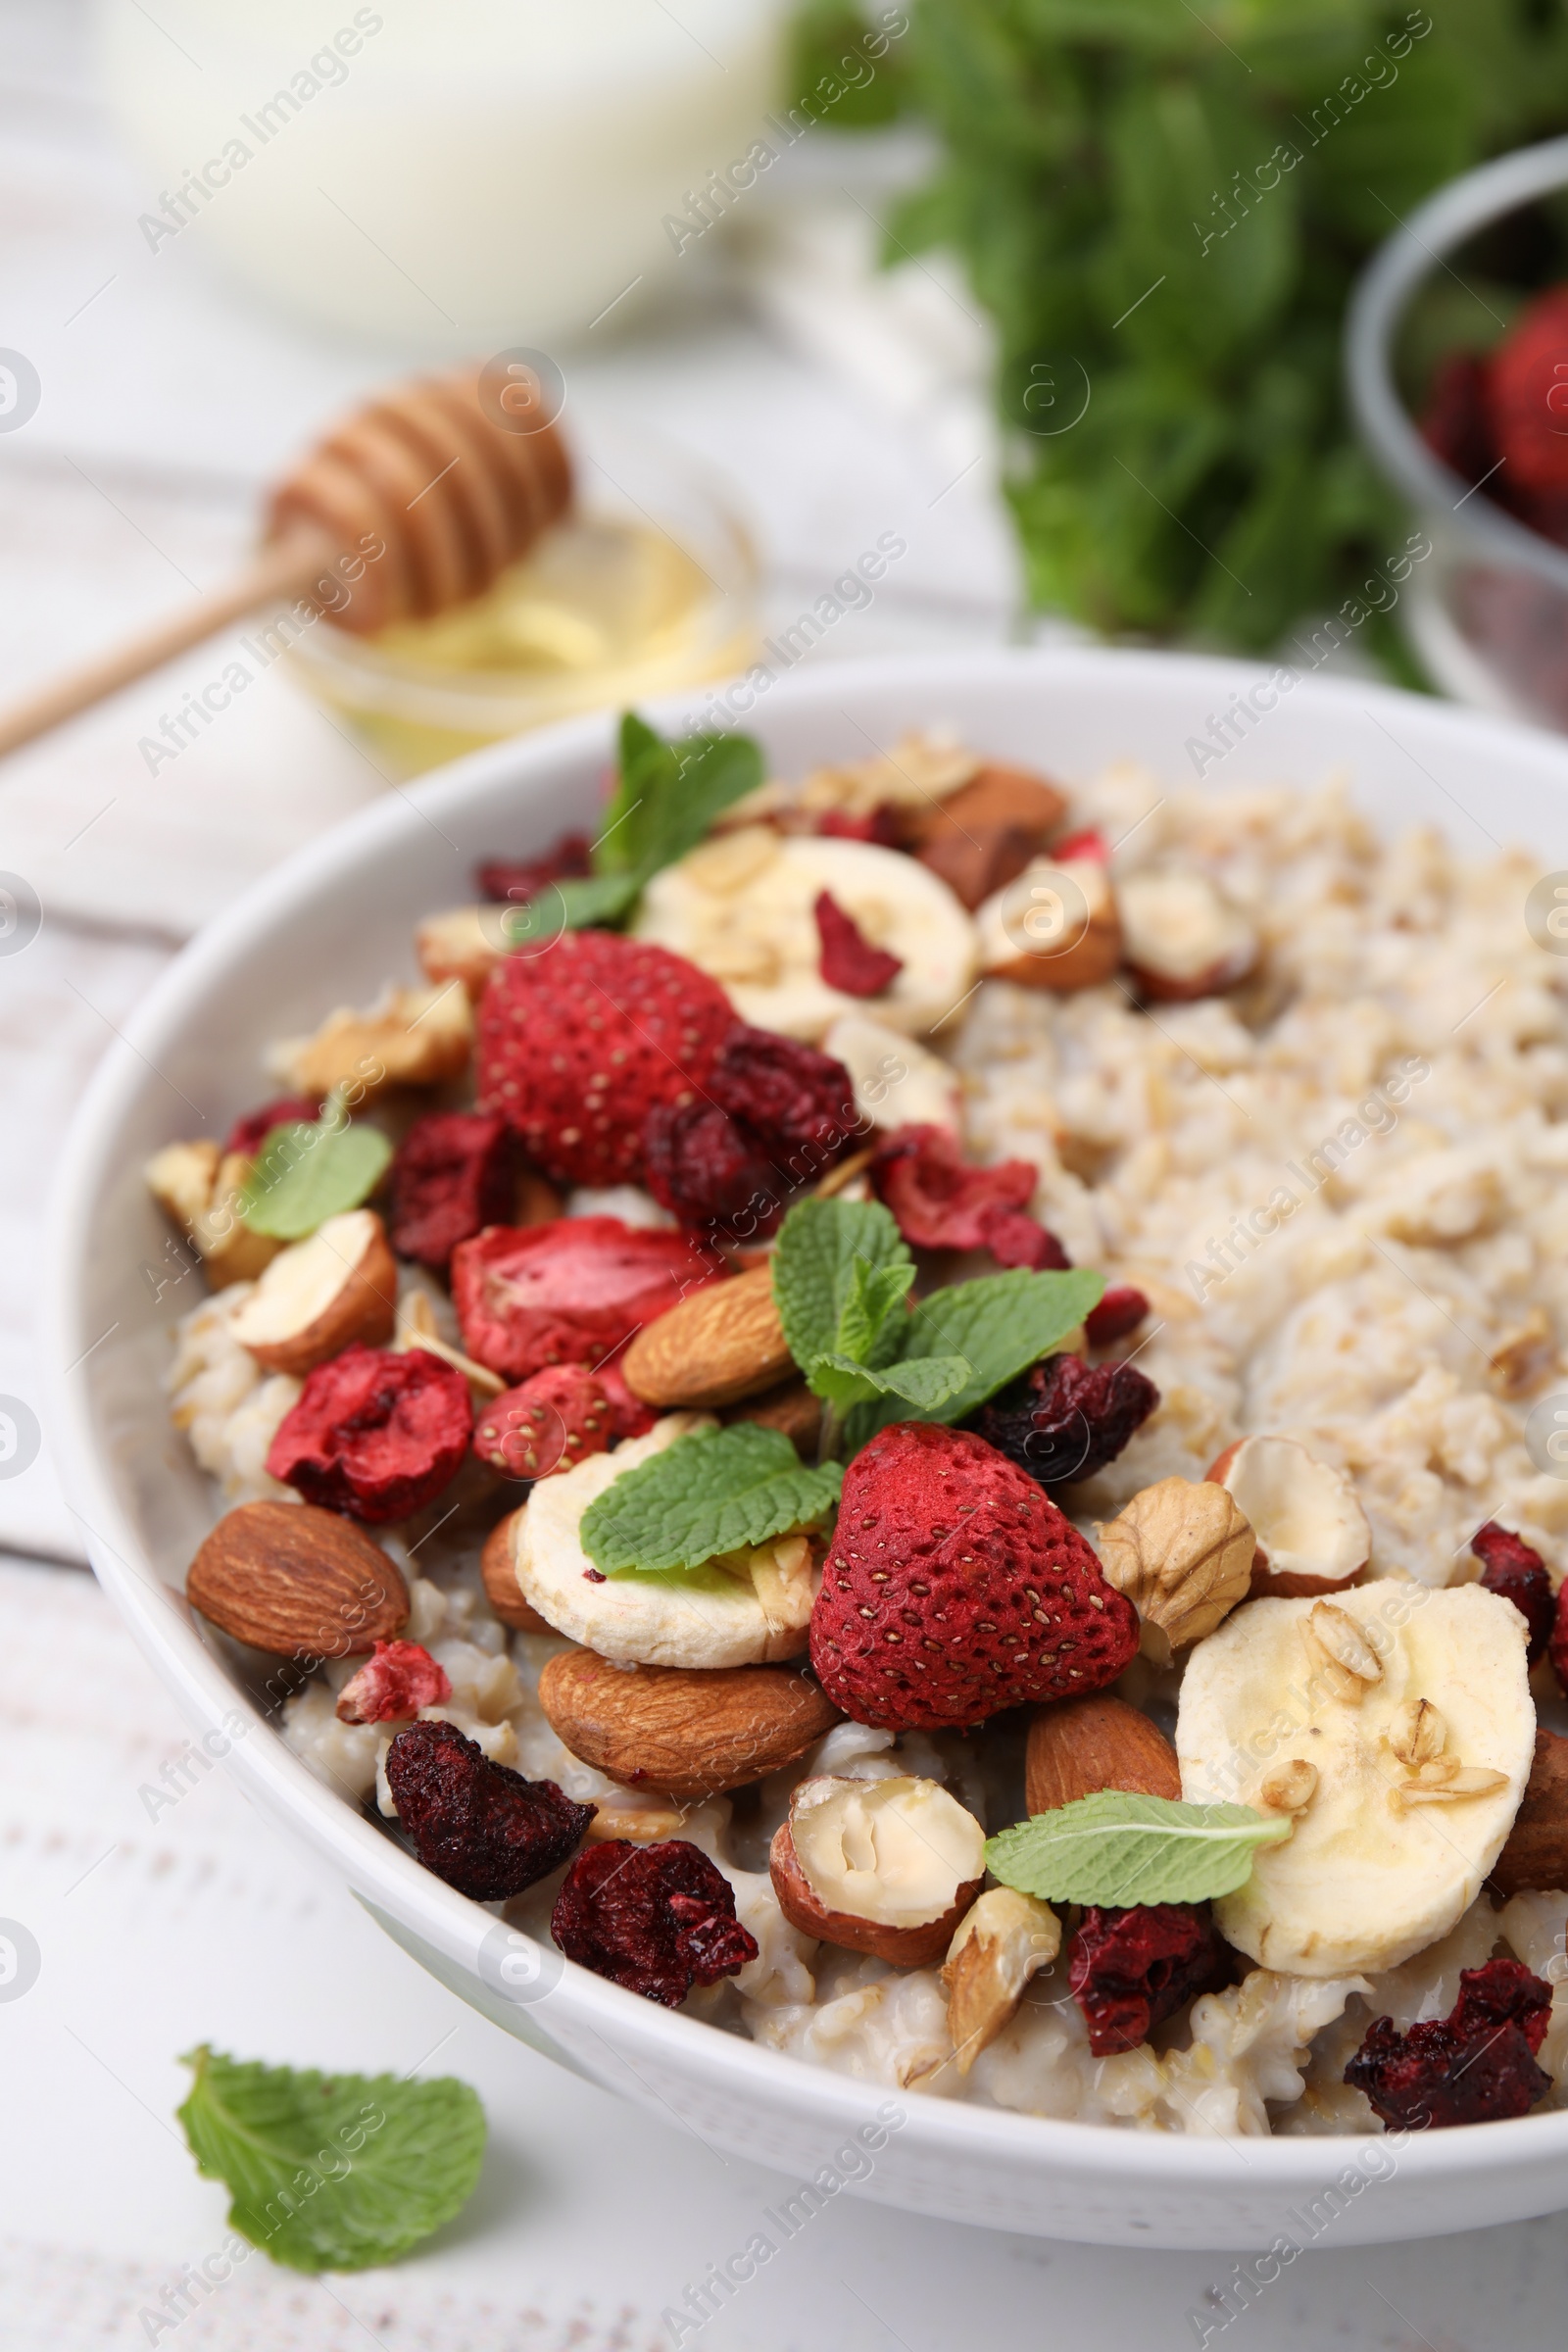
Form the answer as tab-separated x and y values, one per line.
649	584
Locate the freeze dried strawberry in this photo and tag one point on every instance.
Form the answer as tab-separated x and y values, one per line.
953	1588
553	1422
576	1044
1527	397
657	1918
941	1203
631	1418
520	879
571	1291
849	961
884	825
249	1134
480	1826
451	1175
798	1103
1130	1970
1065	1419
707	1170
1453	422
375	1434
1475	2066
1120	1310
1515	1569
394	1683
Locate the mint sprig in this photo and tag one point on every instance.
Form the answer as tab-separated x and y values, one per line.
332	2172
711	1493
1118	1848
311	1170
666	801
996	1327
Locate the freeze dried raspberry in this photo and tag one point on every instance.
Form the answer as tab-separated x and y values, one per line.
571	1292
883	825
1120	1310
520	879
452	1174
849	961
480	1826
798	1103
1453	422
941	1203
657	1918
1557	1639
1130	1970
707	1170
249	1134
1091	843
395	1682
574	1046
1515	1569
1475	2066
1527	396
377	1434
1065	1419
553	1422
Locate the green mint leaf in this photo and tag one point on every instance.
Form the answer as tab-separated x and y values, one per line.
706	774
1117	1848
332	2172
999	1325
708	1494
581	903
833	1277
305	1174
925	1383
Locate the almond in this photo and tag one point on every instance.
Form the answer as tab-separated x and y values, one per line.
498	1565
983	834
1535	1856
1313	1534
687	1732
1003	1940
885	1867
1055	926
296	1581
791	1408
319	1294
722	1342
1078	1745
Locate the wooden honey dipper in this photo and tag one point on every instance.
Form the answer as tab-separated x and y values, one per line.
426	472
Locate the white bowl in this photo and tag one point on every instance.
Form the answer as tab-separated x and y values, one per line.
329	927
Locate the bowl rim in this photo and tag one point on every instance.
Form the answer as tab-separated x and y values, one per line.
1418	245
378	1870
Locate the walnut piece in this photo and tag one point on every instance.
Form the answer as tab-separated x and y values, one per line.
1182	1555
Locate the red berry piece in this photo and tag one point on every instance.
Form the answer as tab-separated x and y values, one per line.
571	1292
520	879
1065	1419
1453	423
554	1420
849	959
1475	2066
707	1170
883	825
954	1589
798	1103
393	1685
1131	1970
1527	397
452	1174
941	1203
576	1044
249	1134
1120	1310
375	1434
657	1918
1515	1569
1091	843
480	1826
630	1417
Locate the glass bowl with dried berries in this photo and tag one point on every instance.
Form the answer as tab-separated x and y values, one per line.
880	1459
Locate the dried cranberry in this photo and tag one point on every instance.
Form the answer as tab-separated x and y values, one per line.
452	1174
707	1170
1066	1419
393	1683
554	1420
569	1292
941	1203
249	1134
1130	1970
480	1826
798	1103
657	1918
520	879
375	1434
884	825
1120	1310
850	962
1516	1570
1475	2066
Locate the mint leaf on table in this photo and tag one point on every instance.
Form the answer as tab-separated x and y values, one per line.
999	1325
332	2172
708	1494
1118	1848
310	1171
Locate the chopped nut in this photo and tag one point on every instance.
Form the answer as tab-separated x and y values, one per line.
1289	1788
417	1037
1182	1555
198	1187
1418	1733
1344	1645
1005	1939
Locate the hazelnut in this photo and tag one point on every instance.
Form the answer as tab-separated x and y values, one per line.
1181	936
1002	1941
1313	1534
887	1867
